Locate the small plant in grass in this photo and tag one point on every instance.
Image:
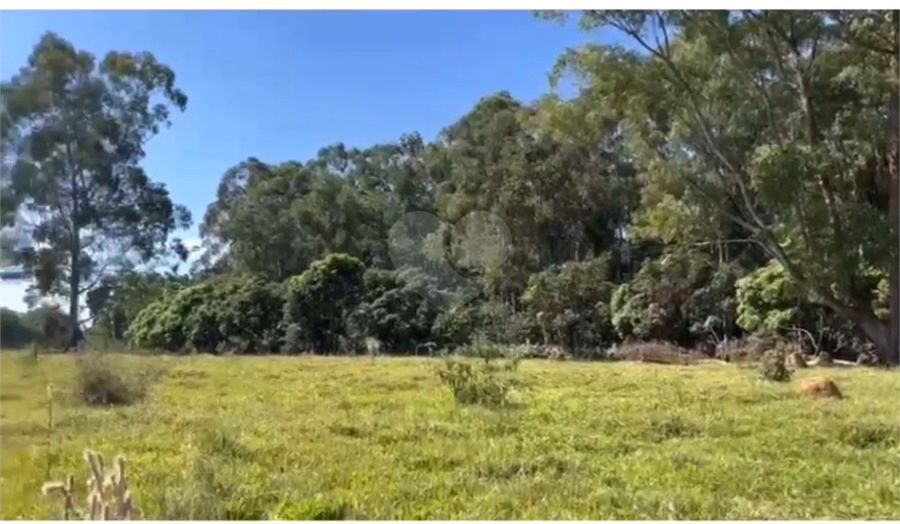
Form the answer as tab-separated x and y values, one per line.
101	381
773	366
487	383
108	494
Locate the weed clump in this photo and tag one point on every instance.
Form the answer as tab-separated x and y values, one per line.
99	383
102	382
108	494
773	366
488	383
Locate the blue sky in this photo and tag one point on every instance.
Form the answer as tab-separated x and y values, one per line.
281	85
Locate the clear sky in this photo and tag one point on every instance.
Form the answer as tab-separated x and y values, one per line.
281	85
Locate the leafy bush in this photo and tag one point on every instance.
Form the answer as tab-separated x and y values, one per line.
250	321
768	300
570	303
239	313
167	322
773	366
457	326
769	303
392	312
487	383
680	297
320	299
14	331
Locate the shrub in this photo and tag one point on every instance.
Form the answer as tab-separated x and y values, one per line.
774	366
569	304
457	326
768	300
15	332
233	312
393	312
101	381
652	306
770	303
320	299
488	383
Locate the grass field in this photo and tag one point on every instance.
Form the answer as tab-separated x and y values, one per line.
316	437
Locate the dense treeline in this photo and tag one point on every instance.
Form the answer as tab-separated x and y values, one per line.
736	174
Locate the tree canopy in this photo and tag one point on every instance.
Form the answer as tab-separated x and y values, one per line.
729	173
74	132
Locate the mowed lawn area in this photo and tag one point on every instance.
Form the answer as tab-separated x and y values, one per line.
333	437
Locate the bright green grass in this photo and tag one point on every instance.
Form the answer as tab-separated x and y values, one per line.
307	437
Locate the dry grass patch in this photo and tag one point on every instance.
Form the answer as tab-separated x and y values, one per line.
821	387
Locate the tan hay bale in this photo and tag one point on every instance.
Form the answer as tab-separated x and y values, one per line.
820	387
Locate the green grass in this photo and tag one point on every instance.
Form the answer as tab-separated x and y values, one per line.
329	438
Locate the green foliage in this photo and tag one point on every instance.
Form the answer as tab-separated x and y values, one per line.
719	148
16	334
741	134
241	314
461	324
570	303
773	366
342	201
319	300
392	312
768	300
487	383
117	300
678	297
67	114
